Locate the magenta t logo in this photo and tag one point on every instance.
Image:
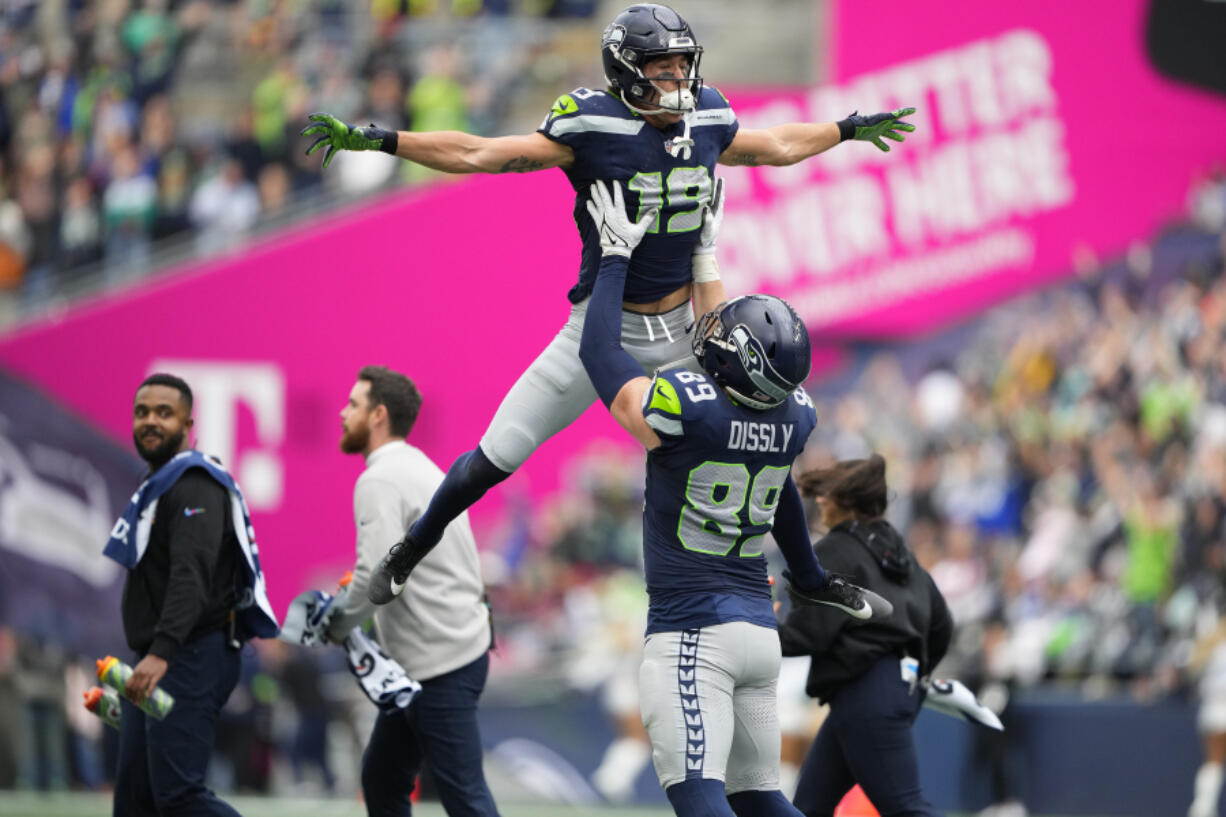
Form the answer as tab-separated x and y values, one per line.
221	388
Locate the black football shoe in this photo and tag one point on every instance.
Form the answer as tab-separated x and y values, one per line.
856	601
389	578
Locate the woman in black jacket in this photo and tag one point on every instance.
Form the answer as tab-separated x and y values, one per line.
870	674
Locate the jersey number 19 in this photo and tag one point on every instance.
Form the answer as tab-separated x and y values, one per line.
685	184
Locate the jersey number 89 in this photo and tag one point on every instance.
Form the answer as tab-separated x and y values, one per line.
715	496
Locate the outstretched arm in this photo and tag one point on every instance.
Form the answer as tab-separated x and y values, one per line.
457	152
448	151
797	141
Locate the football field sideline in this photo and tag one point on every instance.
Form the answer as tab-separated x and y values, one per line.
98	804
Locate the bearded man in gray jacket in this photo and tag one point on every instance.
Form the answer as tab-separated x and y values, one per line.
438	629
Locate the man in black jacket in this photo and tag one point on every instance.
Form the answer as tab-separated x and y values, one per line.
869	673
178	615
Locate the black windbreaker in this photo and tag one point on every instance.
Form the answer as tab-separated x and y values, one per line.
872	555
184	585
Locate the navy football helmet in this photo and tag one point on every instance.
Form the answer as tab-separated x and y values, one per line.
635	36
756	348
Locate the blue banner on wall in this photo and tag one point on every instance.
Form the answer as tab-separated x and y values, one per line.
62	486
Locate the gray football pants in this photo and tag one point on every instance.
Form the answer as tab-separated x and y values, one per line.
555	389
708	702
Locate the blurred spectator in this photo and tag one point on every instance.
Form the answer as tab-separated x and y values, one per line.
84	727
43	750
962	577
1151	524
1208	201
274	189
270	105
80	227
10	714
386	98
995	756
437	101
128	207
224	208
611	613
243	738
14	248
173	194
1202	540
36	197
151	37
301	679
245	148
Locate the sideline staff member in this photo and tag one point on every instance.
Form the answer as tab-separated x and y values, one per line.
869	674
193	592
439	627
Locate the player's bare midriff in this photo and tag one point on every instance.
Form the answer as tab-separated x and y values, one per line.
672	300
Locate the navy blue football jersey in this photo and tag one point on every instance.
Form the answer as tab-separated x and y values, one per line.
612	142
712	489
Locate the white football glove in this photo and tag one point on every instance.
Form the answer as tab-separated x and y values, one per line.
712	218
618	234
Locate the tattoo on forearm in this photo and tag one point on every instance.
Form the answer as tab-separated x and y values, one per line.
744	159
521	164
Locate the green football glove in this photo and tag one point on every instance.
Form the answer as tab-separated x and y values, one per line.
338	135
872	128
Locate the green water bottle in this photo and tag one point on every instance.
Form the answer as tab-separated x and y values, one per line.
104	703
115	673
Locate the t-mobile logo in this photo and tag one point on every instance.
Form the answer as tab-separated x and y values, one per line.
221	389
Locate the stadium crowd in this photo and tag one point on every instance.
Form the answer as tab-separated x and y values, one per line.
121	126
1060	465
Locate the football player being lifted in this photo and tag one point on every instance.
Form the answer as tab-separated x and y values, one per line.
658	131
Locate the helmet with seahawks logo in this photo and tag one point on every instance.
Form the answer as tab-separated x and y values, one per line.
756	348
639	34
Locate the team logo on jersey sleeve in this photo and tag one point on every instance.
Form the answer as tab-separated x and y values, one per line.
564	105
664	398
662	409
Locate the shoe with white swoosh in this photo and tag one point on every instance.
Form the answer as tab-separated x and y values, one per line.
858	602
390	577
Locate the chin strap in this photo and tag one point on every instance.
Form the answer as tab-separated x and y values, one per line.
680	146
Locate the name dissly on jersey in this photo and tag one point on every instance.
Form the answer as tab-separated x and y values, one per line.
746	436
